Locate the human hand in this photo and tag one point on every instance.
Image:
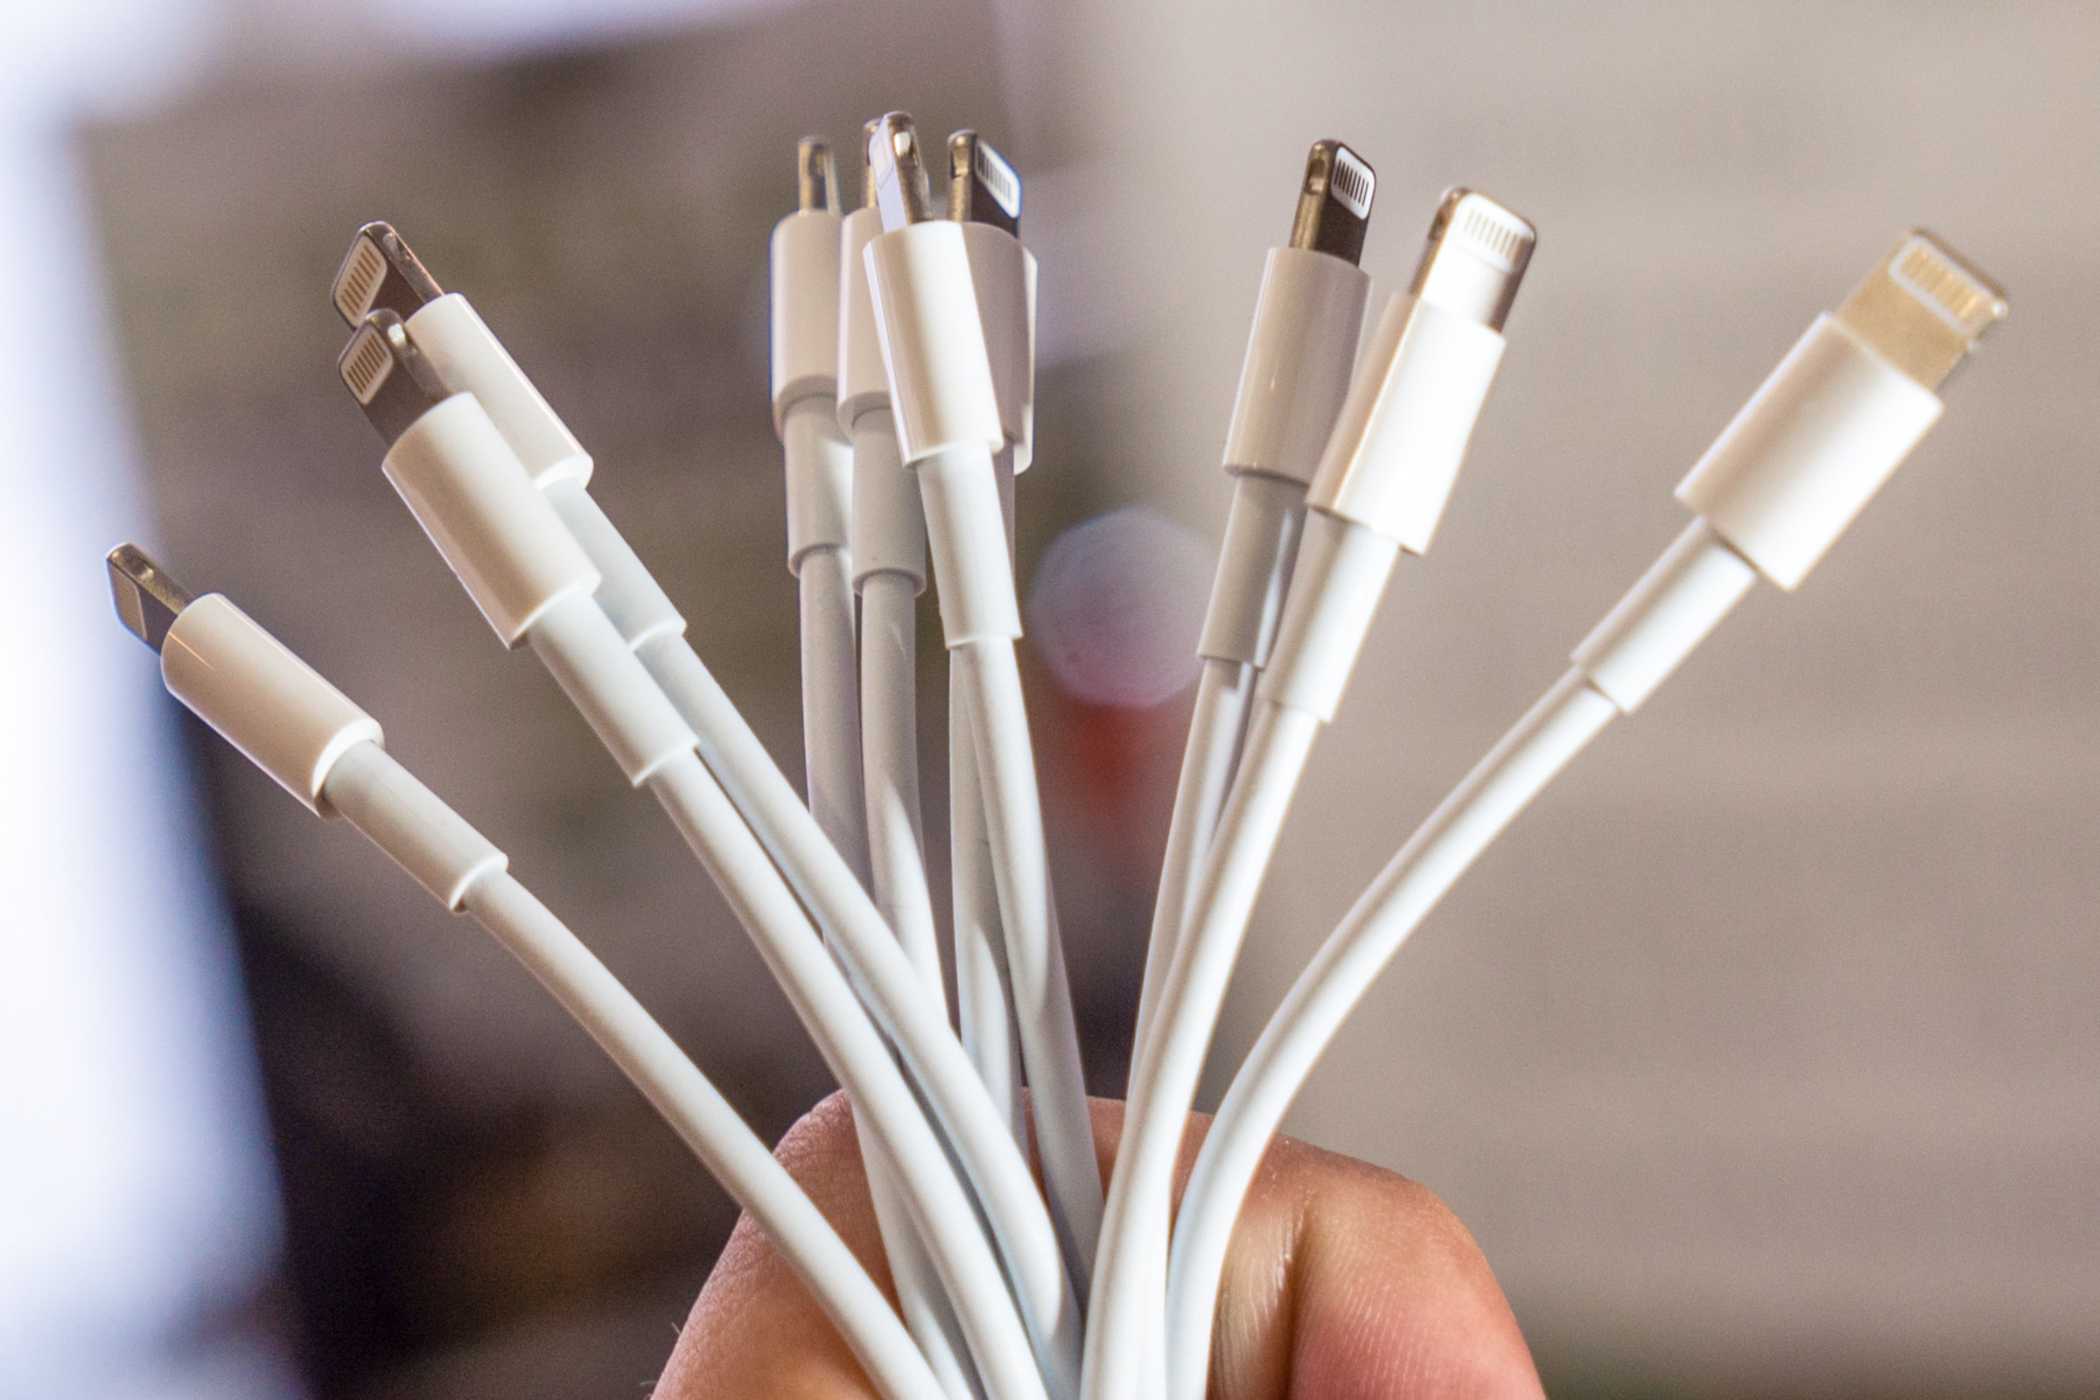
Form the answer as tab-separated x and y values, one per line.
1343	1280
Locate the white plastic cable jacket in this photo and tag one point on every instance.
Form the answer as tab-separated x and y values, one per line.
979	1133
452	860
1665	616
1224	695
1035	959
831	740
890	757
1491	796
1130	1276
1009	1361
972	1126
983	984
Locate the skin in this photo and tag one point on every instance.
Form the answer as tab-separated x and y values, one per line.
1343	1281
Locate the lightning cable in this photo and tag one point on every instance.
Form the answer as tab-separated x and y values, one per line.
476	501
889	571
984	198
1301	348
1784	480
380	272
328	753
1381	486
805	287
948	429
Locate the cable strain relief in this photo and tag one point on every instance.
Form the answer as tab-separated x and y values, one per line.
966	535
630	595
819	468
610	688
415	827
1662	619
1255	561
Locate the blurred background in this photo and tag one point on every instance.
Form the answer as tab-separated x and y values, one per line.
1761	1057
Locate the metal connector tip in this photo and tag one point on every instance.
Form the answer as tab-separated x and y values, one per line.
899	167
1923	308
380	273
388	376
868	131
1475	258
816	176
982	186
148	601
1334	203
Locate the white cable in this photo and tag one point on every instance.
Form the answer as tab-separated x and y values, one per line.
948	428
505	550
819	476
983	983
1007	1360
1785	479
1381	486
326	752
1301	349
889	558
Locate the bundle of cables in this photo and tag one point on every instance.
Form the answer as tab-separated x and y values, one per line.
903	383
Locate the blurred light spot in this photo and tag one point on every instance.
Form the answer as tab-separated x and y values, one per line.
1116	607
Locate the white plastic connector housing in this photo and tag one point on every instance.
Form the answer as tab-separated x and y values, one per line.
1004	274
1809	450
1342	572
933	341
1403	429
805	309
1300	354
471	495
863	382
263	700
408	821
469	359
1663	618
